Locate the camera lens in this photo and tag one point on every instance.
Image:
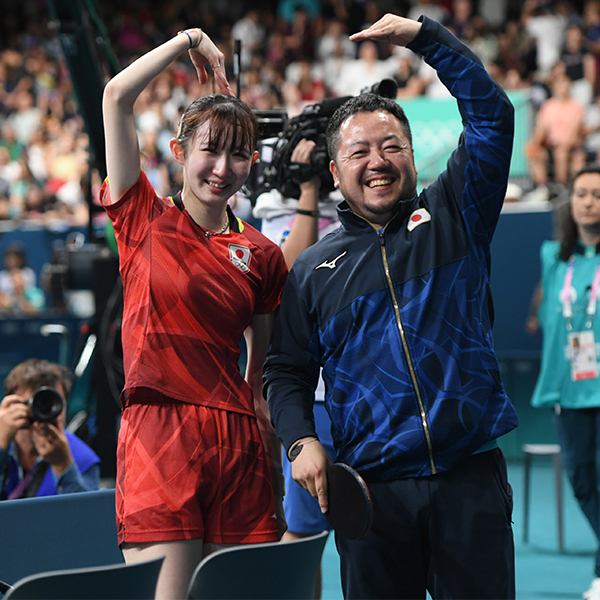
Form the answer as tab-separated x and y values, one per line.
45	404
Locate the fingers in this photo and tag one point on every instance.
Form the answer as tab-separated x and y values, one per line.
52	445
309	469
207	53
390	28
14	415
302	151
321	493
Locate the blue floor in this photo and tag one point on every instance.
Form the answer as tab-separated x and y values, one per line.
543	572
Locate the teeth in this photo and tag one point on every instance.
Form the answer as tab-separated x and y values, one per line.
379	182
219	186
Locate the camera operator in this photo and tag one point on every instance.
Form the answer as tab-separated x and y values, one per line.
296	224
40	458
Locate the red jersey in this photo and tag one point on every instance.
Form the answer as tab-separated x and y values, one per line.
188	298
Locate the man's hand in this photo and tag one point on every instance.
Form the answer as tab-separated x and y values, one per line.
14	415
52	445
309	470
390	28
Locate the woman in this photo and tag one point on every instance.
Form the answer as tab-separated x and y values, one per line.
568	377
193	472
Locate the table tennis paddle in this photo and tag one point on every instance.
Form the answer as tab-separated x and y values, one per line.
4	587
350	508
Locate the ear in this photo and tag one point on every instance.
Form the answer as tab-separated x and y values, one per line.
334	172
177	151
255	156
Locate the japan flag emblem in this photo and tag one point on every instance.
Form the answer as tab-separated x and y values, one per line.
418	218
240	256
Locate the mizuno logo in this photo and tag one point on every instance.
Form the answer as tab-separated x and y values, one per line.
331	264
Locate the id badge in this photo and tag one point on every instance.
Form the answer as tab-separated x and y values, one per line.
582	348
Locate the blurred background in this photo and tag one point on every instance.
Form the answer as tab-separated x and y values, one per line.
60	294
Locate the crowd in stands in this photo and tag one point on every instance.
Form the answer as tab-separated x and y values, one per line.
294	53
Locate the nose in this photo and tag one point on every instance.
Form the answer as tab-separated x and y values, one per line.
377	159
221	164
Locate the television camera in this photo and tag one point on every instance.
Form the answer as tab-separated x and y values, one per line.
278	137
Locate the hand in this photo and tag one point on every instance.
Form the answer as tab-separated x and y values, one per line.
301	154
302	151
14	415
309	470
390	28
207	53
52	445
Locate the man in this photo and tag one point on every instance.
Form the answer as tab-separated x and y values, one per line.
395	306
41	458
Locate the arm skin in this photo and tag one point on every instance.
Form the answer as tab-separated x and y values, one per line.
121	92
305	229
258	337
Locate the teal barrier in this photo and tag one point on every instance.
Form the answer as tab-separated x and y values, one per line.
436	126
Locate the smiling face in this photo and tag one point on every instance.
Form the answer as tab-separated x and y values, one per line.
374	166
214	170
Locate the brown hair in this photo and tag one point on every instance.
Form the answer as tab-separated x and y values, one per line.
229	118
568	234
34	373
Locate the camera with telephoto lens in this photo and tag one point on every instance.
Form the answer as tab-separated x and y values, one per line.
45	405
274	168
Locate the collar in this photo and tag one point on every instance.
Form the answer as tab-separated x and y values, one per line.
235	225
584	250
350	219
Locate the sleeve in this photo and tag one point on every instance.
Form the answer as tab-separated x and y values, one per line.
477	171
72	481
292	367
275	275
548	257
132	213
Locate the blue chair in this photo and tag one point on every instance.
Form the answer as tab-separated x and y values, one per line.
277	570
58	532
136	581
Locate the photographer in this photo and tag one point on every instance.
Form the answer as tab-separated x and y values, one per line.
38	457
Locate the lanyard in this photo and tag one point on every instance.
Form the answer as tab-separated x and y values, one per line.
565	296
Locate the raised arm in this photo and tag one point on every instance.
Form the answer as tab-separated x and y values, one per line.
121	92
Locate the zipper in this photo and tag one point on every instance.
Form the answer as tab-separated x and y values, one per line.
411	367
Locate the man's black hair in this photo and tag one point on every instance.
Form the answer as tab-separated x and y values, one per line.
367	102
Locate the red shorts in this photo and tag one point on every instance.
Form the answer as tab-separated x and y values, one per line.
191	472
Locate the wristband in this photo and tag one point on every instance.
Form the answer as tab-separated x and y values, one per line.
295	451
190	38
308	213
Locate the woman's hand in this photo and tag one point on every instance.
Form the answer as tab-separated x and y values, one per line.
207	53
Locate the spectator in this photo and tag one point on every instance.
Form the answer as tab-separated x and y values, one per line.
366	70
542	22
297	224
251	33
565	307
41	458
26	118
557	139
19	294
579	65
